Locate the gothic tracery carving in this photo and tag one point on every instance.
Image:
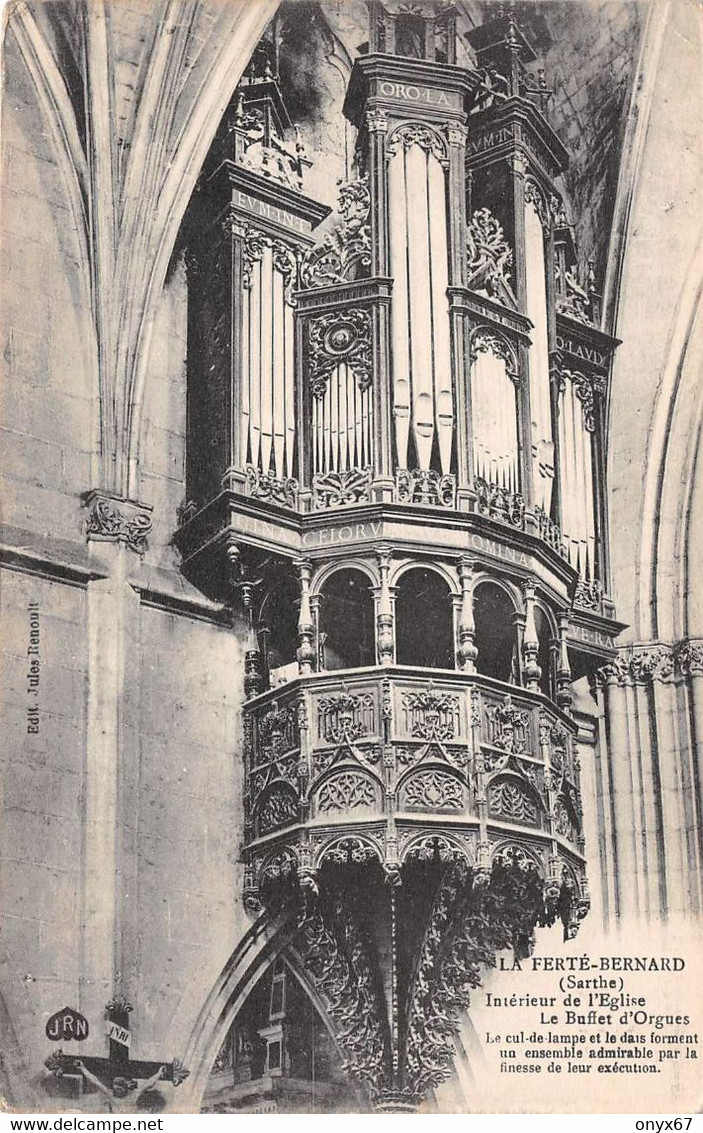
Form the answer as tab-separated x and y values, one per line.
431	715
499	503
508	799
345	716
111	519
268	486
507	727
279	808
485	341
347	790
589	389
284	260
432	789
690	658
343	977
588	594
535	195
417	134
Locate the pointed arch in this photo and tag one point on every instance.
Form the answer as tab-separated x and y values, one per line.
265	940
160	210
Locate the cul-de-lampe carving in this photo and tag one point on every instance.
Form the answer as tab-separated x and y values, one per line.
378	809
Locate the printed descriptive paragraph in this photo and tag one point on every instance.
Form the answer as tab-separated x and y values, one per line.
618	1028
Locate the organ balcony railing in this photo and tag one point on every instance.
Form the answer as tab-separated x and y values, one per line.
394	764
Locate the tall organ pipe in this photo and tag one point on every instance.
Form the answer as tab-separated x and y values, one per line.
542	441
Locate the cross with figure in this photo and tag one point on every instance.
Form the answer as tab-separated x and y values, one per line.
120	1079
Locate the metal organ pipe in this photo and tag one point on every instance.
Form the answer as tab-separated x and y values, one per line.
495	421
341	424
255	355
444	407
333	389
420	303
577	442
578	502
268	425
400	321
422	377
542	442
266	358
590	502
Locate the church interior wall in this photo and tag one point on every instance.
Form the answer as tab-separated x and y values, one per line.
180	778
47	386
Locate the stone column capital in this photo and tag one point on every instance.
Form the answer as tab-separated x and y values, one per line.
114	519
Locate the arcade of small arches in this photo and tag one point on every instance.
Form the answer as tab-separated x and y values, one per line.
416	613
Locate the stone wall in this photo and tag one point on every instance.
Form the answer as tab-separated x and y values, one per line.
129	652
139	759
48	408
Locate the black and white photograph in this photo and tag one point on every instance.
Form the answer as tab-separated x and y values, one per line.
351	559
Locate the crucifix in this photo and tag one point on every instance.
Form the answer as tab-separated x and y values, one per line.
120	1079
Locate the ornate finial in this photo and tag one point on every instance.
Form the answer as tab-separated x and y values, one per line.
120	1004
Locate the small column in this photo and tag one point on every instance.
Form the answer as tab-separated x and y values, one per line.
255	668
318	638
466	651
385	622
531	671
306	628
304	770
456	135
690	660
377	127
619	755
564	693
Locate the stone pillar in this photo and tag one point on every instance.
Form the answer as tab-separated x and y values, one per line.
466	651
563	668
625	849
385	621
690	659
117	530
670	755
306	628
531	671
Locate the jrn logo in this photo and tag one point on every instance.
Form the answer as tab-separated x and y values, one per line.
66	1025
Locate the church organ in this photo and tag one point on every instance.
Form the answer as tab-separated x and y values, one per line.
404	418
